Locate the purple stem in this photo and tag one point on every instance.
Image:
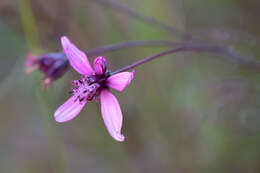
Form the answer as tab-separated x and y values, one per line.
130	44
223	52
147	59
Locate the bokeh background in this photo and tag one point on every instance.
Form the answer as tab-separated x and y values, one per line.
187	112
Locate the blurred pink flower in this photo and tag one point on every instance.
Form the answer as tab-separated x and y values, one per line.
93	83
52	65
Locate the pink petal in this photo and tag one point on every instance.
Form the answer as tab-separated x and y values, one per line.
68	110
77	58
100	65
120	81
111	114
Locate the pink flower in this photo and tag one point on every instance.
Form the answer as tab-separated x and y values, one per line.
93	83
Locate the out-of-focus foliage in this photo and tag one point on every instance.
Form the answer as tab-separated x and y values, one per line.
187	112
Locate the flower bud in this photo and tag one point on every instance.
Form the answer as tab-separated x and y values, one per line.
52	65
100	65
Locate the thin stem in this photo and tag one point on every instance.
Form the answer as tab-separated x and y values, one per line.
131	44
223	52
147	59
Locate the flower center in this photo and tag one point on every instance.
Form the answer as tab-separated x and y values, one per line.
85	89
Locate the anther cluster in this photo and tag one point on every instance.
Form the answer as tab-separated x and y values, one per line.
85	89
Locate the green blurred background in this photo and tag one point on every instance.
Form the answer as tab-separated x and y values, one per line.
187	112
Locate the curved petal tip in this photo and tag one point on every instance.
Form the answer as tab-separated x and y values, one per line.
119	137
